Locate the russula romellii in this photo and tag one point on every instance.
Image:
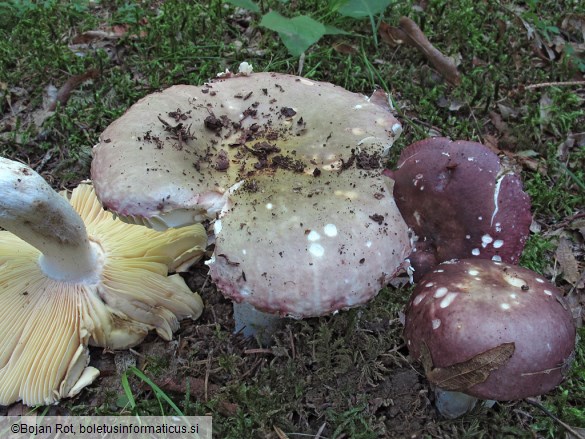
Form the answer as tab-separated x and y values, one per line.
488	330
290	171
460	202
71	276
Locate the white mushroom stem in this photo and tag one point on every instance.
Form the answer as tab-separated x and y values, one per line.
33	211
451	405
253	323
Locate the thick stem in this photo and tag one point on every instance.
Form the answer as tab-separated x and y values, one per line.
37	214
451	405
253	323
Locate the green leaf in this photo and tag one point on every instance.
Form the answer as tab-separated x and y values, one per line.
246	4
332	30
297	33
128	395
363	8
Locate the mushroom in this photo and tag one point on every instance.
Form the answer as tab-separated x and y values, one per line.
488	330
71	276
460	202
289	171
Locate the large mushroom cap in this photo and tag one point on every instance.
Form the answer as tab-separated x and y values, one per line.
291	170
490	330
307	247
172	157
460	203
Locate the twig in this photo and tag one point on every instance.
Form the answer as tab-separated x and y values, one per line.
206	382
566	426
257	351
320	431
555	84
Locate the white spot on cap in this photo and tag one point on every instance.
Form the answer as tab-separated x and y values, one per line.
330	230
480	218
498	227
368	244
514	281
446	154
439	271
245	68
467	236
429	284
473	272
358	106
496	258
313	236
316	250
498	243
244	291
505	306
440	292
436	323
244	252
416	215
306	81
217	227
539	280
269	206
470	159
485	240
357	131
548	292
396	129
475	252
447	300
513	296
418	299
422	188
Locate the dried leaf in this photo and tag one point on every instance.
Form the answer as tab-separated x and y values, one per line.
408	32
72	83
281	434
391	35
567	261
462	376
345	48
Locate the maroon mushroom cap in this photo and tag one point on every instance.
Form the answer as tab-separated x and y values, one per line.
490	330
460	202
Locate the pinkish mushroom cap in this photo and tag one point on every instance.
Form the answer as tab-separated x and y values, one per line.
288	168
460	203
490	330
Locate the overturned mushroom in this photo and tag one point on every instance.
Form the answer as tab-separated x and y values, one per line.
488	330
290	171
460	202
73	276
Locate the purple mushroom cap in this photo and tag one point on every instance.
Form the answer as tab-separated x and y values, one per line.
490	330
460	202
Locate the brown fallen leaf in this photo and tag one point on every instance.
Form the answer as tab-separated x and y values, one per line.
71	84
567	261
408	32
461	376
345	48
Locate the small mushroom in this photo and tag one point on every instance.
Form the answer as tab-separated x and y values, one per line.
71	276
289	171
488	330
460	202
